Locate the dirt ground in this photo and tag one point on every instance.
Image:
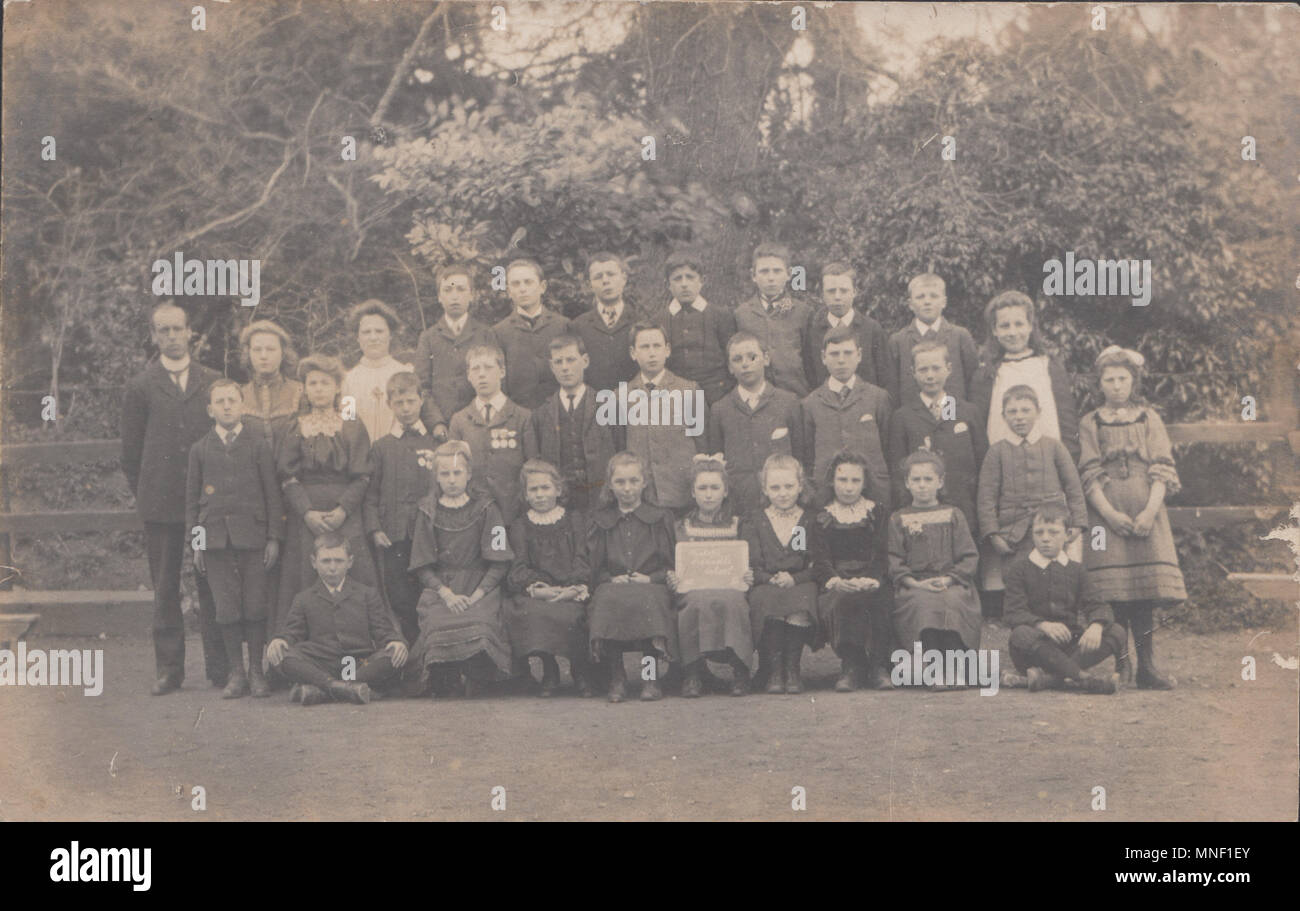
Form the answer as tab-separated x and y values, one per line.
1217	748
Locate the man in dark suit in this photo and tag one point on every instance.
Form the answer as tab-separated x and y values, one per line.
564	430
164	412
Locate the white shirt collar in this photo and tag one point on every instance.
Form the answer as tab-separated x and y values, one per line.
1033	436
1042	562
174	366
751	398
531	316
658	380
924	330
418	427
577	397
931	402
697	305
497	402
456	326
837	321
334	591
835	385
617	308
229	436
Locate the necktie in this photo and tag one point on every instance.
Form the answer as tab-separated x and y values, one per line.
649	387
610	318
176	378
487	414
936	409
573	403
843	393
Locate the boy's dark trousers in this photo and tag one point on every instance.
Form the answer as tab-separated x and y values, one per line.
401	589
1031	647
165	543
320	670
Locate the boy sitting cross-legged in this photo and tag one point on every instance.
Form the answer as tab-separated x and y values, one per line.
1048	602
335	626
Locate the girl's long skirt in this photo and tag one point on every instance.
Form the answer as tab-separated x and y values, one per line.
1135	569
844	619
712	621
632	611
551	627
446	636
768	602
956	609
295	569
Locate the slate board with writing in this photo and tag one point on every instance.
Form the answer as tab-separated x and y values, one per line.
711	564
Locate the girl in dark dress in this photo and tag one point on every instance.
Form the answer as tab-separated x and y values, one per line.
712	622
460	554
783	602
324	467
549	578
851	612
631	545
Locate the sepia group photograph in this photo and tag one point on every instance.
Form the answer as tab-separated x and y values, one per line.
666	411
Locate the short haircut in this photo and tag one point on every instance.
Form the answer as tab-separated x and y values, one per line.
923	457
1052	512
779	462
374	307
163	305
442	273
640	327
221	384
742	336
486	351
540	466
331	539
686	257
780	251
526	261
288	355
321	363
838	267
401	381
1020	392
840	334
605	256
560	342
926	278
931	344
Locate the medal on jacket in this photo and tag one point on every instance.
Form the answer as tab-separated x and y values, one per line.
503	438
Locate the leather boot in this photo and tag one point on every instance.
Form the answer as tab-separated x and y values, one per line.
769	657
1102	686
792	652
237	684
1040	680
692	685
347	691
550	676
257	682
849	675
617	677
313	695
1148	676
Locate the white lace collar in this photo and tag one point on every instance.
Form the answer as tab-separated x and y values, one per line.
848	515
550	518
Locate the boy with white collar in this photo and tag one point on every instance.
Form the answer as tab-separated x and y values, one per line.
603	329
1059	624
927	298
837	310
233	494
1018	476
440	352
496	430
666	449
399	477
697	330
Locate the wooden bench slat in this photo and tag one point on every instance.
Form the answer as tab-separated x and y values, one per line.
1216	516
83	520
1269	586
73	598
61	452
